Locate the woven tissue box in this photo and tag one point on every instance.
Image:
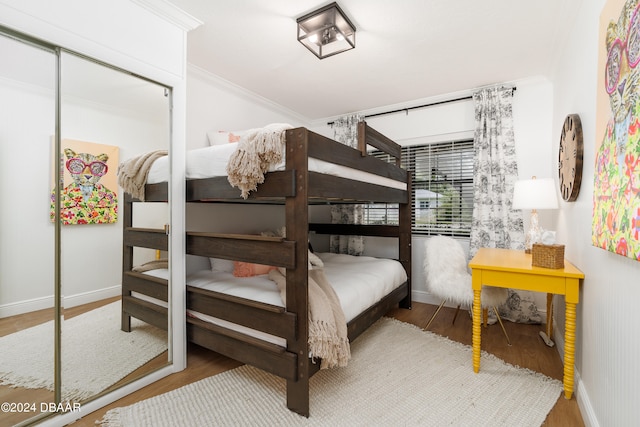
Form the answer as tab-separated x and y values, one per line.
547	256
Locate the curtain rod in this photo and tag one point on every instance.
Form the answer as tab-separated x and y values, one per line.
419	106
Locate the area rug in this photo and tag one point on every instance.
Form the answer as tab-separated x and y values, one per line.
398	375
95	353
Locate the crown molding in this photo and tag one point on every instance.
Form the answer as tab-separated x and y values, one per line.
170	13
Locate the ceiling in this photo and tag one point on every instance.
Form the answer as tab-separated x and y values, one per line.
406	51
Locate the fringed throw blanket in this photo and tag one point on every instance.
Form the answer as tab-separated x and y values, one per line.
257	150
328	337
156	264
132	173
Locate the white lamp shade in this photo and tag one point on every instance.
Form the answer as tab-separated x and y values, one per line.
535	194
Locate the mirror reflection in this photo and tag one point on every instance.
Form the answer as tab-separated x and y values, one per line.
60	281
27	251
106	116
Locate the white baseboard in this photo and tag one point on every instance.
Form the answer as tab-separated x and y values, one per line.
584	403
424	297
92	296
28	306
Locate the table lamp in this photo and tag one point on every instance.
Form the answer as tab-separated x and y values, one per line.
534	194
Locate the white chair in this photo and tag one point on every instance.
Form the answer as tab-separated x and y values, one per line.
448	278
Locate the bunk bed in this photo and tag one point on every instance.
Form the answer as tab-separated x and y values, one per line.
296	187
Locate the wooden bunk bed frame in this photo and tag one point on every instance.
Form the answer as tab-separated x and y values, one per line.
297	188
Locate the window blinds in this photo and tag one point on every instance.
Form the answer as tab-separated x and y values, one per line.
442	192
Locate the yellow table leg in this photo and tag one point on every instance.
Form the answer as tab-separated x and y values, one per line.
569	348
477	322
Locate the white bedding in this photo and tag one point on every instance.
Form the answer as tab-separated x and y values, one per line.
209	162
359	282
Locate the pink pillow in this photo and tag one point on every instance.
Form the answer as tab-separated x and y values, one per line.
224	137
247	269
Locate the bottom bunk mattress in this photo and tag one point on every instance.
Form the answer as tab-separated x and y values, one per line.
359	282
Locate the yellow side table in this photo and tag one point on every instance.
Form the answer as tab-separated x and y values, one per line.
507	268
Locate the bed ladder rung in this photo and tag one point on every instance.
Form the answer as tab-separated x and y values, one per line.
255	237
236	300
141	309
236	335
146	284
267	250
150	238
268	318
261	354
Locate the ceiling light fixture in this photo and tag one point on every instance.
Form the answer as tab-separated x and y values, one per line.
326	31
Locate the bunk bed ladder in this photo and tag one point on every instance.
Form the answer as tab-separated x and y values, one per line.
134	282
296	222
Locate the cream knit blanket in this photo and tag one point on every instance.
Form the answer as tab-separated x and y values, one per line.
151	265
258	149
328	336
132	173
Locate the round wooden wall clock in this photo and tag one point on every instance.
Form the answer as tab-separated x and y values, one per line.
570	158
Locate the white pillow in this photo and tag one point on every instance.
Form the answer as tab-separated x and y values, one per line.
224	265
219	137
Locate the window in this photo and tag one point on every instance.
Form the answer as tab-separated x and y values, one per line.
442	192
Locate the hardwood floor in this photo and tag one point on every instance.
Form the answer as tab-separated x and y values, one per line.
527	350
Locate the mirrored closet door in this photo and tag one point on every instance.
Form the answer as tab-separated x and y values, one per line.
67	122
27	236
107	116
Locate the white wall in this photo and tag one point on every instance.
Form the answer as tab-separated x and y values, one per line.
26	235
607	341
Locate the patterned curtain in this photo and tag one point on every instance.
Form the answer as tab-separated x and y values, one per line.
345	130
494	223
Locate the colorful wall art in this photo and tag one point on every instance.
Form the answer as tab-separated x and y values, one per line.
616	189
89	183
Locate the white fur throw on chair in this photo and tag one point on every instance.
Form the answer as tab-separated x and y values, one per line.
448	277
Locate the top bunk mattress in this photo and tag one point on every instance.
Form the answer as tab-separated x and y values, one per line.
210	162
